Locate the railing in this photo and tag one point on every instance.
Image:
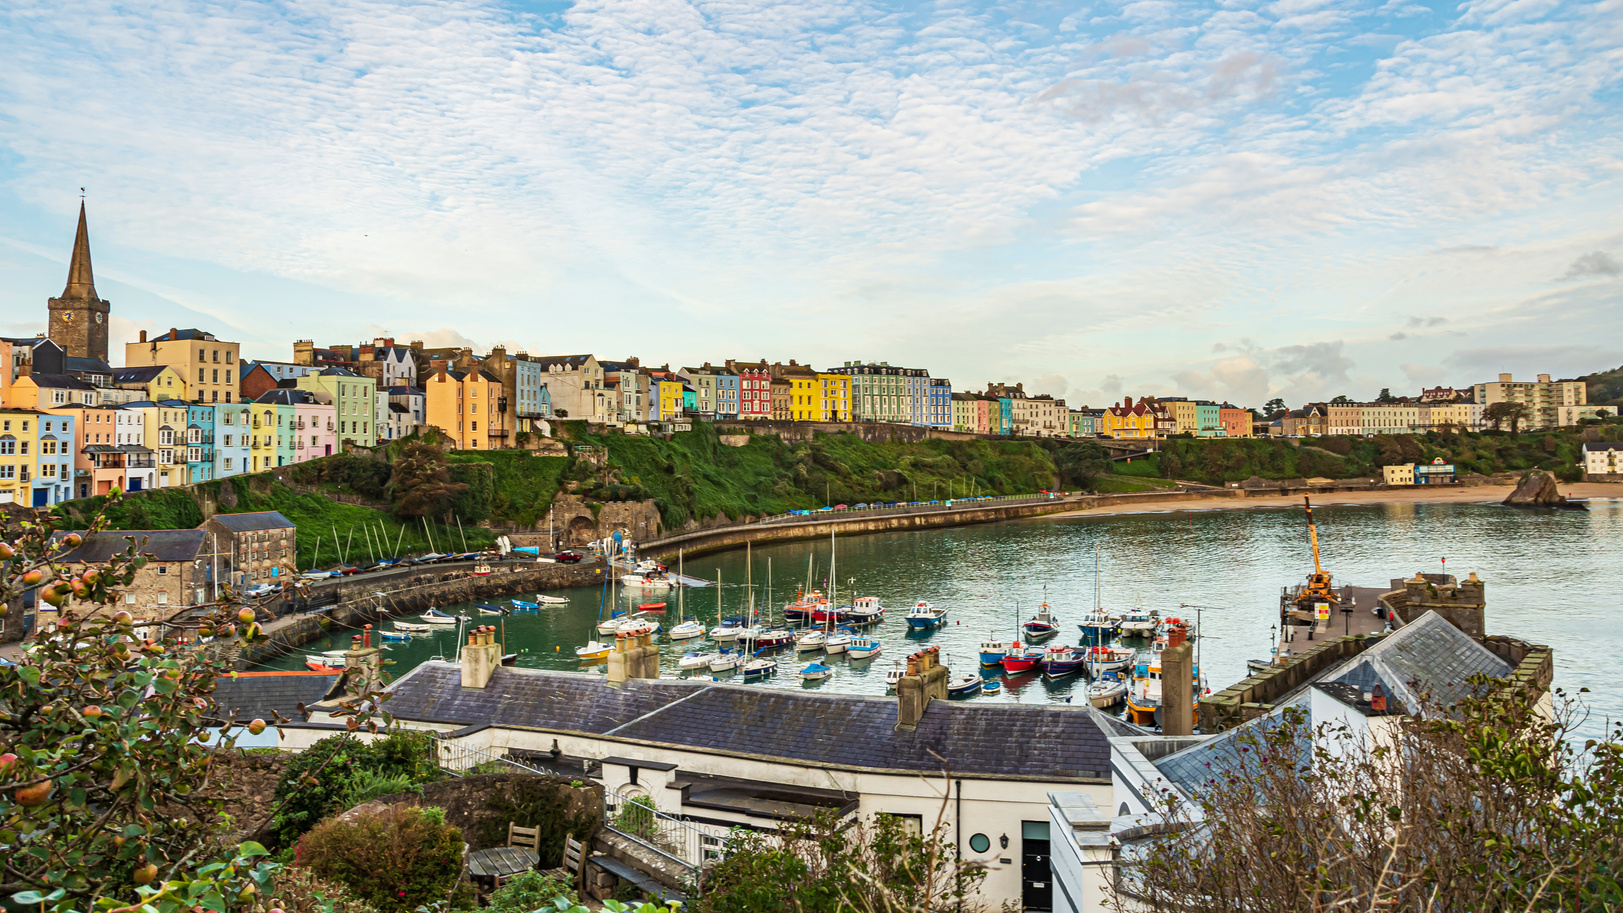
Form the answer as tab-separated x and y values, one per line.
456	758
673	838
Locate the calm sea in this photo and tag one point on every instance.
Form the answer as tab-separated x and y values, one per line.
1552	577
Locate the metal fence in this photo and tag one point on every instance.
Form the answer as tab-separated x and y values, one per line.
458	759
676	839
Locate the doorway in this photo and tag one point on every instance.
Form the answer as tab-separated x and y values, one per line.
1036	879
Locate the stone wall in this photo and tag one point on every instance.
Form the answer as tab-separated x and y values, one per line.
1462	603
576	522
1259	694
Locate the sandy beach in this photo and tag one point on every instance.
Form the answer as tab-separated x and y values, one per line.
1486	494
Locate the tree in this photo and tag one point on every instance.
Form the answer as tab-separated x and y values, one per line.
1497	414
1489	807
1340	400
1385	396
103	762
1276	407
1079	464
421	485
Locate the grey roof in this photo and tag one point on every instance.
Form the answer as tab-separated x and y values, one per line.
252	522
256	695
1602	446
90	365
161	544
287	396
337	372
1001	739
1426	660
1235	751
59	380
174	335
575	361
141	375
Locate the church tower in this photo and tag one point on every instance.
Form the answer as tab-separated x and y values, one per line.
78	318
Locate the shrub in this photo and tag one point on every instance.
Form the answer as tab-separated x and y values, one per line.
532	891
298	890
333	764
396	859
636	817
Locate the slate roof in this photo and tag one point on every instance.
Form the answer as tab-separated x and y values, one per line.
59	380
568	361
999	739
1233	752
173	335
140	375
254	695
1427	659
75	363
253	522
1602	446
288	396
162	545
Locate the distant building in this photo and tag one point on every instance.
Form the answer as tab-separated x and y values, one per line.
463	406
834	395
407	409
233	426
1543	397
1143	420
782	399
78	318
754	389
1441	395
805	391
1085	422
259	547
1345	419
93	426
199	443
1207	419
1438	472
970	413
882	392
1236	422
208	364
151	382
1389	418
1603	461
354	401
43	391
174	578
1401	474
1185	419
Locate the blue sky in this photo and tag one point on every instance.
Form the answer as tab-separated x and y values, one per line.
1235	199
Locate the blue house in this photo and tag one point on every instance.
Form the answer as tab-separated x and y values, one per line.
200	442
53	474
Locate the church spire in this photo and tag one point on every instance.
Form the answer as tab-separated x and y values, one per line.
80	283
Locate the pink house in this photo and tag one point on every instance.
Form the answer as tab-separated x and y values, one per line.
314	422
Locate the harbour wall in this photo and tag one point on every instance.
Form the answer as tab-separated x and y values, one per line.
354	601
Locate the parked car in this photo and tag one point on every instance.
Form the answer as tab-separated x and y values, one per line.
260	589
569	557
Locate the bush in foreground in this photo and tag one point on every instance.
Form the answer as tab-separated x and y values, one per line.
396	859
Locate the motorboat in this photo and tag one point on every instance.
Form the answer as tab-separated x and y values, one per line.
993	651
1255	666
436	617
1101	660
810	640
965	685
1021	659
728	629
1107	690
766	639
692	661
638	624
815	672
327	656
1098	627
804	606
608	626
863	647
1137	623
490	609
394	637
687	630
653	608
724	661
894	676
522	606
412	627
1042	625
759	668
646	582
544	599
1144	693
864	610
593	651
839	641
1058	662
926	617
992	686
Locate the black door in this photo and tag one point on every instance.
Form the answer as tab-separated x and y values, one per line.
1036	879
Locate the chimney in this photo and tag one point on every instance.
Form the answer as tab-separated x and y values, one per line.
143	335
361	661
1177	685
619	661
480	657
1544	378
926	680
1504	378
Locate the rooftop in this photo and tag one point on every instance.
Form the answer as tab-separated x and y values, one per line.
253	522
261	695
161	544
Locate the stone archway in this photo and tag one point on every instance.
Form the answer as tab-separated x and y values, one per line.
582	530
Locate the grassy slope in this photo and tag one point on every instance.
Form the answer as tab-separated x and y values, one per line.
1605	387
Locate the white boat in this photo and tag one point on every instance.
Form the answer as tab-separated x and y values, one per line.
608	626
638	624
695	660
645	582
725	661
728	630
864	610
1137	623
411	628
894	676
815	672
862	648
326	655
967	685
436	617
759	668
1100	660
593	651
544	599
838	642
1107	691
810	640
687	630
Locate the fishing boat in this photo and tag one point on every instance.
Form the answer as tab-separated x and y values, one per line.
523	606
1021	659
965	685
491	610
993	651
894	676
1042	625
926	617
593	651
694	660
759	668
1102	660
1099	627
1058	662
412	627
864	610
436	617
655	608
1144	693
544	599
839	641
728	630
815	672
395	637
863	647
1107	690
992	686
811	640
805	604
724	661
1137	623
1167	624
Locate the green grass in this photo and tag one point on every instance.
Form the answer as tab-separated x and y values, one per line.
1118	484
1144	467
525	484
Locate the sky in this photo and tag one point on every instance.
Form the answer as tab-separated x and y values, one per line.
1232	200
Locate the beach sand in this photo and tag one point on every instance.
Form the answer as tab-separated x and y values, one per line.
1486	494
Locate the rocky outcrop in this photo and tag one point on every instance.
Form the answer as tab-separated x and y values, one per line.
1540	489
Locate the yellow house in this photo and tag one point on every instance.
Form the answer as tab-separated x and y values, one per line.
463	406
19	451
836	397
208	365
164	428
1144	419
1402	474
45	391
262	437
670	400
157	382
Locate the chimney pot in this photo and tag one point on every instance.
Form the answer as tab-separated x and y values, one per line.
143	335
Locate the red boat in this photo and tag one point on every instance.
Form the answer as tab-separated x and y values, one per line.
1022	660
315	665
656	607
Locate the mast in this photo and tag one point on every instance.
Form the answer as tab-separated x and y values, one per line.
749	579
681	597
1312	535
833	573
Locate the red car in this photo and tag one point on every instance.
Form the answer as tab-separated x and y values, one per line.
568	557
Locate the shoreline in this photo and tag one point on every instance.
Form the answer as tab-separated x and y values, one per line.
1476	494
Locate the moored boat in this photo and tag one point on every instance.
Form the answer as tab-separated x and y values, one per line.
653	608
807	641
687	630
815	672
544	599
692	661
993	651
413	628
864	610
397	637
724	661
992	686
593	651
1021	659
839	641
646	582
926	617
523	606
863	647
728	629
1059	661
436	617
1043	625
1137	623
1098	627
1100	660
608	626
894	676
485	609
965	685
1107	691
759	668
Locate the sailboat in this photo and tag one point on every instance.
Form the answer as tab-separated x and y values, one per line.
594	650
814	639
686	628
1098	626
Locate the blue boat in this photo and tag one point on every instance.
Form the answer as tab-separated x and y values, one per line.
992	686
394	637
815	672
490	609
926	617
965	685
993	651
525	606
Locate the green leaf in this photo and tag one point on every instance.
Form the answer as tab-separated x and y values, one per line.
250	848
28	898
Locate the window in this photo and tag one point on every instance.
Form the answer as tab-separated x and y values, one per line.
59	396
8	471
228	361
24	450
163	598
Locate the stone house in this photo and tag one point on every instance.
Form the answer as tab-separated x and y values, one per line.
174	578
259	547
